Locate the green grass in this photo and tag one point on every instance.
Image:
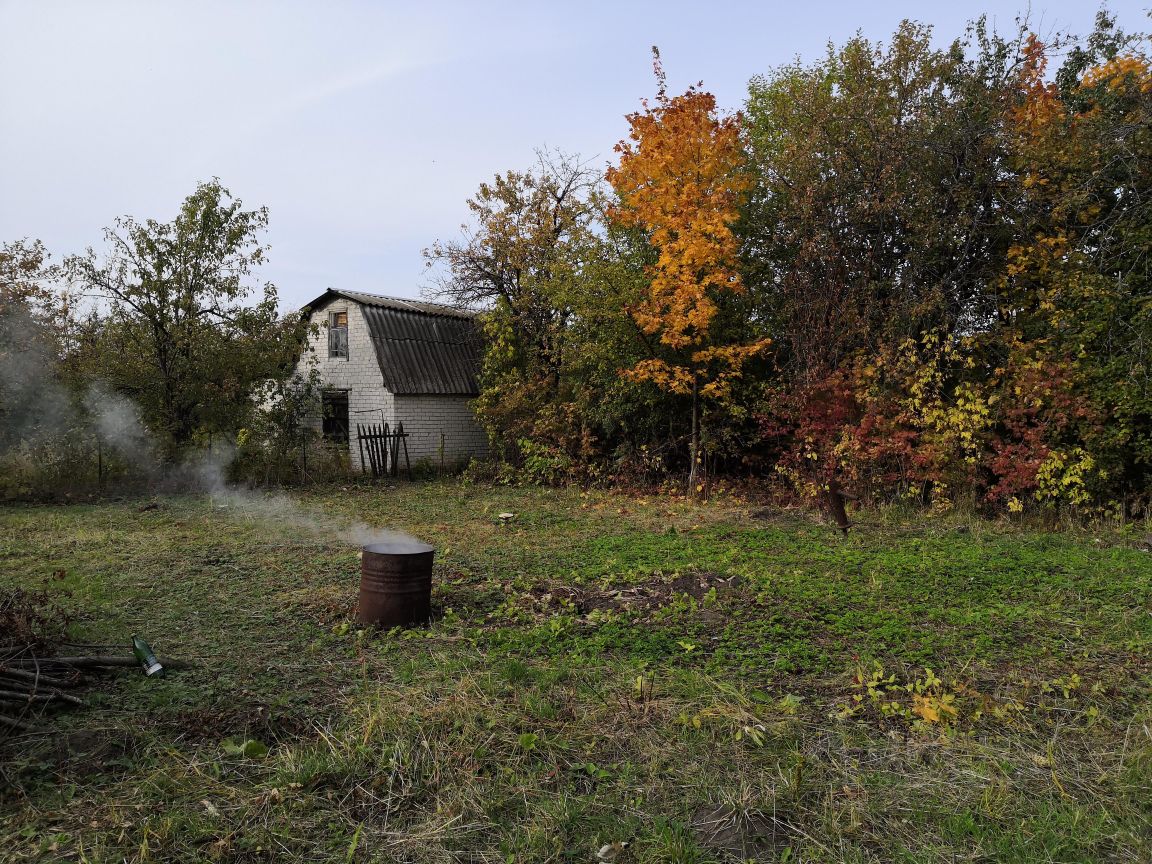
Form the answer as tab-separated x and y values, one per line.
689	678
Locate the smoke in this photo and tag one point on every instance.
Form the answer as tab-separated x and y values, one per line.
40	416
208	473
119	426
42	423
31	402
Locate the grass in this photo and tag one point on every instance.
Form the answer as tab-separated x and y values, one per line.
711	683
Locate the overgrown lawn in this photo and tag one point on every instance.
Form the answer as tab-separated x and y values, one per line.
710	683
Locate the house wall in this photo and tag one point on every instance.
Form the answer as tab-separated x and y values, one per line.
368	401
426	417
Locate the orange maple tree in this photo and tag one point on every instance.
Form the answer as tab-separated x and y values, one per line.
681	180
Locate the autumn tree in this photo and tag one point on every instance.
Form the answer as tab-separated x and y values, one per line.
681	180
552	279
179	326
874	228
531	233
953	247
1076	298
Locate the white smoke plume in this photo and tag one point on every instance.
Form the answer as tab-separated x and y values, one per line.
118	423
208	474
36	410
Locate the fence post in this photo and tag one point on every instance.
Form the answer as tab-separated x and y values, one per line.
374	449
403	439
394	449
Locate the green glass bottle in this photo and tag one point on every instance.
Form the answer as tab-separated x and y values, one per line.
143	652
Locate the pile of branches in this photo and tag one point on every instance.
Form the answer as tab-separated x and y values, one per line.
30	621
37	663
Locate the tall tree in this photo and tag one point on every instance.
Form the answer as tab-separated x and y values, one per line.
874	230
25	279
179	326
532	234
1076	296
537	261
681	180
875	214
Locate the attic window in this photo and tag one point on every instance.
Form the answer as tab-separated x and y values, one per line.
338	334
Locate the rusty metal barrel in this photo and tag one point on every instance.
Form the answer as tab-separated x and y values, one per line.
396	584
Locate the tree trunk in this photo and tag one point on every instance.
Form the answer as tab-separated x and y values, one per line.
694	446
835	499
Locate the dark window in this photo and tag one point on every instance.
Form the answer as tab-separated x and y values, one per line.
338	334
335	404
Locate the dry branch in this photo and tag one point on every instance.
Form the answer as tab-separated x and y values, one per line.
35	694
16	724
88	662
36	677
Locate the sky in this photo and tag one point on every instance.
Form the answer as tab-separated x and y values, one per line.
365	126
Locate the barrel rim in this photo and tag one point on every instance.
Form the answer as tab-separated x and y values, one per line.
413	547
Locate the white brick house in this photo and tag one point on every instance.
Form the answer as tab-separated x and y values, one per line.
392	360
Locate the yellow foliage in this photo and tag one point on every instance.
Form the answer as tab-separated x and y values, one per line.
933	708
1063	475
681	180
1120	72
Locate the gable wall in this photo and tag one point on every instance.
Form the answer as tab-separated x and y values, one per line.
368	401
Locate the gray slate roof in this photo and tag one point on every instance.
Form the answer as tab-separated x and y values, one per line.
422	348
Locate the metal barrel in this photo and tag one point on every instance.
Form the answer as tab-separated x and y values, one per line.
396	584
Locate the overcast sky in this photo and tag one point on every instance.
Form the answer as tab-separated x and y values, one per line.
365	126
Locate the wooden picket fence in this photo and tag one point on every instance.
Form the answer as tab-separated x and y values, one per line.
380	449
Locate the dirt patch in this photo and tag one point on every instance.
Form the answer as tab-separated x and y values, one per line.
84	753
478	599
211	725
742	834
67	756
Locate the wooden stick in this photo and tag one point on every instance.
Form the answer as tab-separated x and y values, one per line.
85	662
16	724
835	499
404	440
11	696
35	677
39	696
14	696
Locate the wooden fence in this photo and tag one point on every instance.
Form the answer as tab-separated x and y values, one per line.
380	450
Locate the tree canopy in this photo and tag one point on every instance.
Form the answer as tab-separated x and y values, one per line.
180	326
906	269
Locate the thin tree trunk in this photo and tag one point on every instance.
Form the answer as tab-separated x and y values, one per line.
836	508
694	447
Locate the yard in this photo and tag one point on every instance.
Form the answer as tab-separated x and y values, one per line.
709	683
